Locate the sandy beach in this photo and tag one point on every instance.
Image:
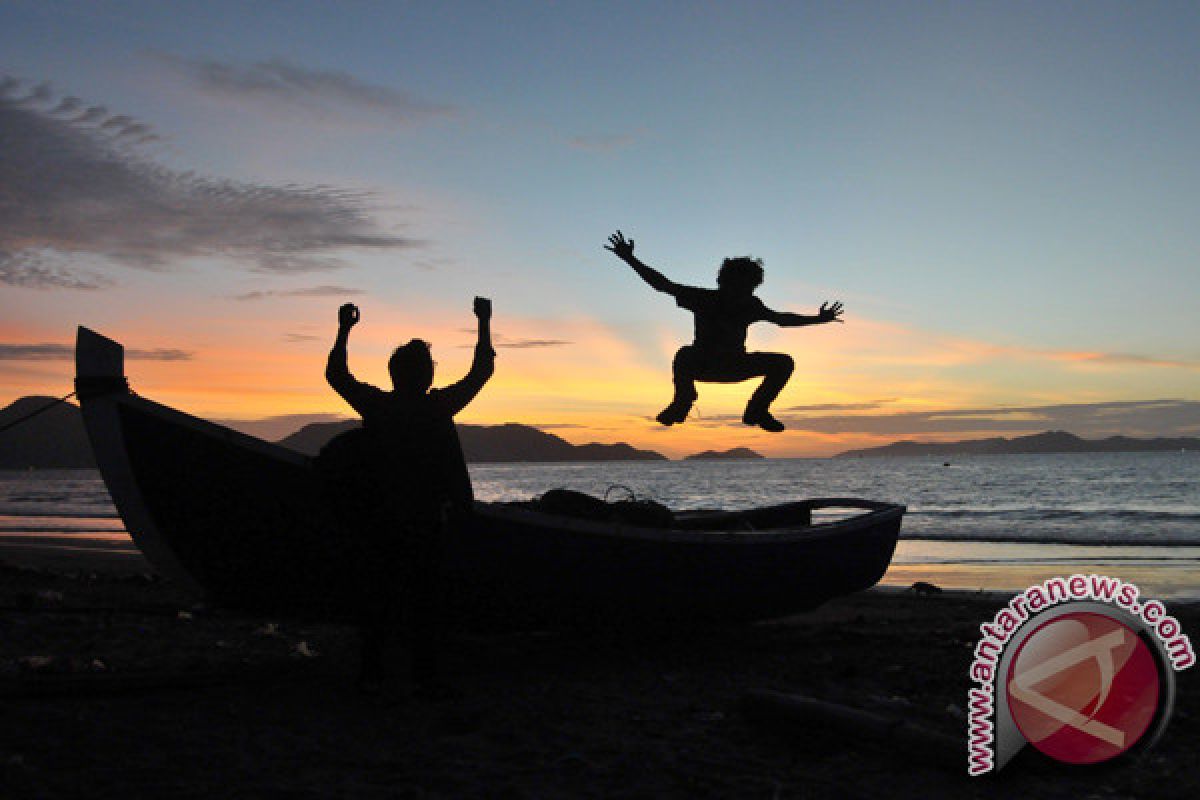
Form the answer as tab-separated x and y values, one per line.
115	686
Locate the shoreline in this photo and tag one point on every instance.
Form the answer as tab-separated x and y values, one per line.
1176	581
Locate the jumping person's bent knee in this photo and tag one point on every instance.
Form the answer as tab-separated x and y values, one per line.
772	363
685	358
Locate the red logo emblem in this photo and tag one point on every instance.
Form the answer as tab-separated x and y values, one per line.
1083	688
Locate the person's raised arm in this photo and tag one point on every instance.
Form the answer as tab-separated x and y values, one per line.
484	363
457	396
623	249
786	319
337	369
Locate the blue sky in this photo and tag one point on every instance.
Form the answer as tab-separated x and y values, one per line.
1019	176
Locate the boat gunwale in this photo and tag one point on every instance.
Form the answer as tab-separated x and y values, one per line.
779	535
218	431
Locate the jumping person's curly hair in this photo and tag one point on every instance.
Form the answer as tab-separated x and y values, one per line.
743	271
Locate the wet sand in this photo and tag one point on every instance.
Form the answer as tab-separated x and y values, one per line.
110	691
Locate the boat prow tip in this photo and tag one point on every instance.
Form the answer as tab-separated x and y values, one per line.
97	355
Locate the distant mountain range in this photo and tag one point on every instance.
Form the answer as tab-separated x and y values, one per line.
56	439
490	443
736	454
1048	442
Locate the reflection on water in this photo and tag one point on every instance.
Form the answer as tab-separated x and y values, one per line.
1171	572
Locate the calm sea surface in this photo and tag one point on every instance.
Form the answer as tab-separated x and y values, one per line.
981	522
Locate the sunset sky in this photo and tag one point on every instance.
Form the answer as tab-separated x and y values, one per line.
1004	196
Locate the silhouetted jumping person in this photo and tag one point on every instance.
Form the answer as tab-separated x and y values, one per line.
401	480
718	353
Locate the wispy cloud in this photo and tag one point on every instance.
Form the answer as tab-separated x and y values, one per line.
308	291
48	351
432	264
1118	359
1172	417
499	340
284	83
839	406
878	343
602	144
74	184
300	337
526	344
30	270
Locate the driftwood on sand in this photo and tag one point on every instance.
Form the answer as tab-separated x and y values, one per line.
809	718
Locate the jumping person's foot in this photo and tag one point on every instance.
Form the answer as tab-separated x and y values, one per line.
674	413
762	419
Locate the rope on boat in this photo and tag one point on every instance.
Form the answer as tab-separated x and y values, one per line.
30	416
85	387
632	495
90	386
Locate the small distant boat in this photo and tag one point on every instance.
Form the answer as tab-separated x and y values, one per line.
244	523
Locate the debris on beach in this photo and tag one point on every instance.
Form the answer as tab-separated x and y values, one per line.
48	598
36	664
302	649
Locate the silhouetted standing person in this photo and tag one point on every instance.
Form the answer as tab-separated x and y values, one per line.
410	482
722	316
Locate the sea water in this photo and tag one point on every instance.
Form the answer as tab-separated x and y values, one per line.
996	522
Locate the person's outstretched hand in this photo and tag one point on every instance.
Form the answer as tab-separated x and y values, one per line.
830	314
348	315
618	244
483	308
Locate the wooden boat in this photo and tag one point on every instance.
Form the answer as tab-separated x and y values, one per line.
246	524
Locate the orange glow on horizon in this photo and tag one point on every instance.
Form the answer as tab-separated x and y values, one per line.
597	386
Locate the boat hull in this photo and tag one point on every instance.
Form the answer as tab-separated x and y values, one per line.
248	524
